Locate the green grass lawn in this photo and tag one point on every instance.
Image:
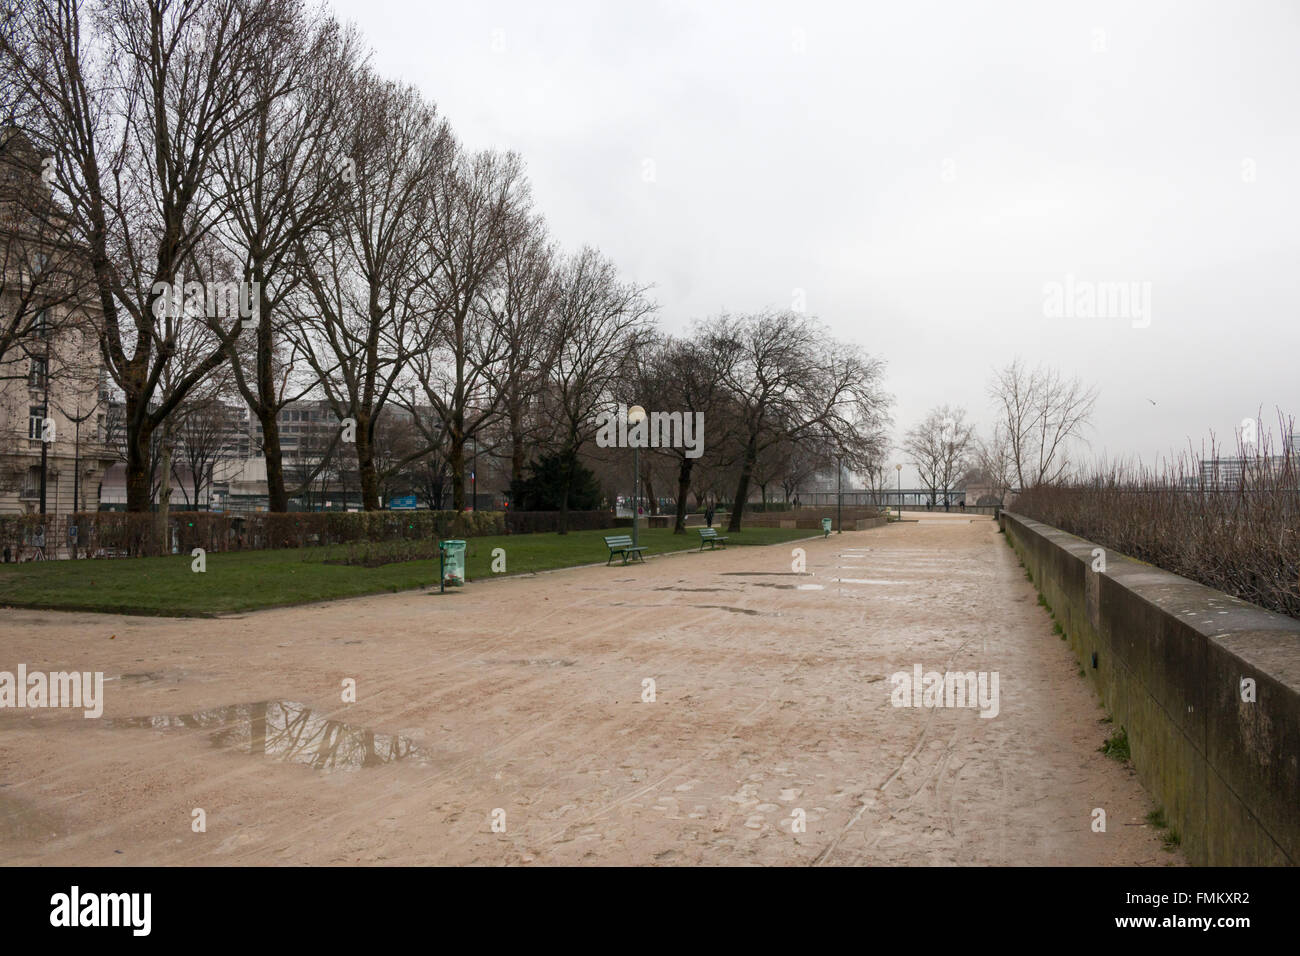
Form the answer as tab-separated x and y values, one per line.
244	581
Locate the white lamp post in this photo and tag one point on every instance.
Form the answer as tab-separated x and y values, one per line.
635	415
899	469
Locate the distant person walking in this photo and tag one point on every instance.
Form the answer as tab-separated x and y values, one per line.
708	516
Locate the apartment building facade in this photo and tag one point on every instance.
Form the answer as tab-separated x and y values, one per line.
53	409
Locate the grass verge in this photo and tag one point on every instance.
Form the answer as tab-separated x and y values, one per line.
249	580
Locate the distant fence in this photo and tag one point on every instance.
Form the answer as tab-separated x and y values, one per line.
953	509
806	517
116	534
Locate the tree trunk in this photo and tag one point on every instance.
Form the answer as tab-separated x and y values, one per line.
456	459
570	456
366	465
516	441
277	496
683	489
139	477
742	486
162	519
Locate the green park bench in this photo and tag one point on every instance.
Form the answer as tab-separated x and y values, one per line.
622	544
711	537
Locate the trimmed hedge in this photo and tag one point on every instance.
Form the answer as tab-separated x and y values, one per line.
533	522
121	534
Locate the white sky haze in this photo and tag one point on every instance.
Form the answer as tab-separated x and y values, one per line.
921	171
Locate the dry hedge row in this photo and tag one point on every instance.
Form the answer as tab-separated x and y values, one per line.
1244	541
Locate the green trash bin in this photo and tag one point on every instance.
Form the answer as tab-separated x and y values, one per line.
826	526
451	564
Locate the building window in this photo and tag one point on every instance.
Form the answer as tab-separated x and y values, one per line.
35	419
37	377
32	487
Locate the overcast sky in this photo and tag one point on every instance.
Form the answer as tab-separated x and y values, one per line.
919	172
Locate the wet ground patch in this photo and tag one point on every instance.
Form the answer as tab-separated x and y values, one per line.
288	732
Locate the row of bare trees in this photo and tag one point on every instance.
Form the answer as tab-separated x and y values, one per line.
187	147
381	264
781	400
1040	416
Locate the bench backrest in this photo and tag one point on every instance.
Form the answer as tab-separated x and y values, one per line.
618	540
708	532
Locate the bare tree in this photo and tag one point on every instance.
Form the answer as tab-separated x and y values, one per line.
523	311
994	461
367	313
676	376
1041	413
939	448
599	318
134	114
204	425
286	176
799	463
789	380
479	212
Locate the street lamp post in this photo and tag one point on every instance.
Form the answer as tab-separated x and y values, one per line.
76	470
899	469
45	413
635	415
839	500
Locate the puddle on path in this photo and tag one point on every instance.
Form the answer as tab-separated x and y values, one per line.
719	607
790	587
286	731
693	590
147	677
867	581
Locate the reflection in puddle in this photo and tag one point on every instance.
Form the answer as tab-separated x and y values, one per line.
724	607
287	731
866	581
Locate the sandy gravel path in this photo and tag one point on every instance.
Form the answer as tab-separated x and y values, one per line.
524	695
